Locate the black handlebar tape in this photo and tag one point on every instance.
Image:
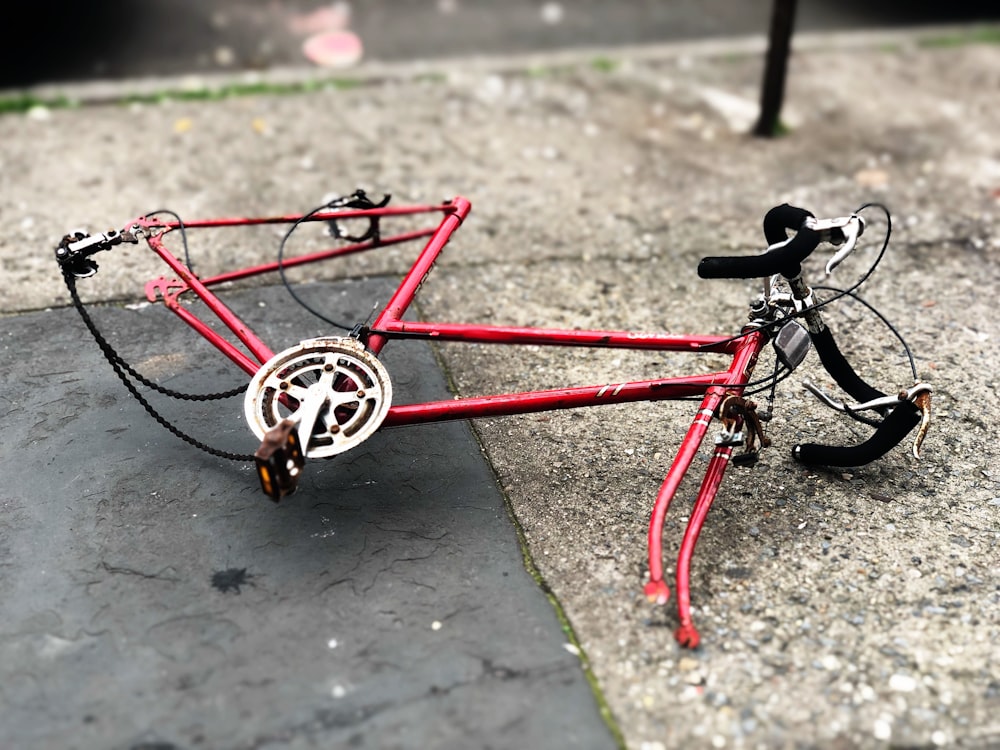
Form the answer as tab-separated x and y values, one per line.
840	369
785	260
889	434
782	218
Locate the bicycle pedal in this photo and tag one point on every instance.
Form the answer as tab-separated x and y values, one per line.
279	460
745	459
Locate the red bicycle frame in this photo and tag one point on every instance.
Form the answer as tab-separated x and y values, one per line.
713	387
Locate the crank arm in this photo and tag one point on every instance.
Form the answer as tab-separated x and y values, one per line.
281	454
308	412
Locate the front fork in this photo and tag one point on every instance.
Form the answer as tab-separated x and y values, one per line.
715	403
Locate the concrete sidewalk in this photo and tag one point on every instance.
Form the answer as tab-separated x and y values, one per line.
847	609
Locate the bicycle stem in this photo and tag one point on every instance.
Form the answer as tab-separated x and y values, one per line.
802	295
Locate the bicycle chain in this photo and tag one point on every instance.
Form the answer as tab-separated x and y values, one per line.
121	367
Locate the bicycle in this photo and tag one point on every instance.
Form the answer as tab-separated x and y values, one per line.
327	395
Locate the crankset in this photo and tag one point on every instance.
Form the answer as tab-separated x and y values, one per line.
335	390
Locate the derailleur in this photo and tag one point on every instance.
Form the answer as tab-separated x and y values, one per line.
74	250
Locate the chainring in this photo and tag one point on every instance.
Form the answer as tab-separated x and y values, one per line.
334	383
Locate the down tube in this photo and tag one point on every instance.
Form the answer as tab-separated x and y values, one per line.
508	404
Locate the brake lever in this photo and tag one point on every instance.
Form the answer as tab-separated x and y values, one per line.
923	402
919	394
843	230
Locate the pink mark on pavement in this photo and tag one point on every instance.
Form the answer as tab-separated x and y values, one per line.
333	49
330	43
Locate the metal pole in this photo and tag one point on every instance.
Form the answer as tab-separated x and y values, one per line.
773	90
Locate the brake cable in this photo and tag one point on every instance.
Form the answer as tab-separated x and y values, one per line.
359	200
892	329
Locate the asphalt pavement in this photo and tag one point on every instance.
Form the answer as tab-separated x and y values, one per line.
154	600
480	585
